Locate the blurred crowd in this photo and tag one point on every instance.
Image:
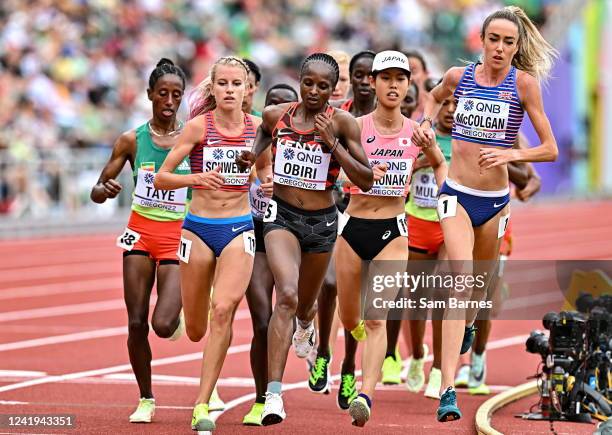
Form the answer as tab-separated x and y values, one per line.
73	72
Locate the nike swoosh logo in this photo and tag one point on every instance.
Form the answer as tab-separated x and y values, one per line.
329	224
284	133
238	229
496	205
386	235
478	378
212	142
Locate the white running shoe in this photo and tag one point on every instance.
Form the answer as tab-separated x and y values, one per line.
433	385
416	375
273	412
180	329
463	375
304	340
215	403
145	411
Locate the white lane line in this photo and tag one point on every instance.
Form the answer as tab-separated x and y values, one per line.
185	380
89	307
44	272
116	369
66	338
61	310
78	286
21	373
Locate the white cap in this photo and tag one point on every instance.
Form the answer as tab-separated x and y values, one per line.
390	59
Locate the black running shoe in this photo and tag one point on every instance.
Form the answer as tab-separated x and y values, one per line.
347	391
319	376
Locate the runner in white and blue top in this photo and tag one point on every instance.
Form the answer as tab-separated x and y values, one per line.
487	115
473	202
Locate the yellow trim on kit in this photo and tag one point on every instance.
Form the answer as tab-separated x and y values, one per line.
486	410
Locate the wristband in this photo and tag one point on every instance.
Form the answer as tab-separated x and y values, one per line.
428	119
333	148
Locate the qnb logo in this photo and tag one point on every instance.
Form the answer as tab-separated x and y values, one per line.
259	193
374	163
424	178
148	178
289	154
468	105
217	154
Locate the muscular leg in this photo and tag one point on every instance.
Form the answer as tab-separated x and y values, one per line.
459	242
284	258
231	280
168	307
196	280
325	310
259	299
138	278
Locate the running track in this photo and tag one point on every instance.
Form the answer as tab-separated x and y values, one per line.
62	343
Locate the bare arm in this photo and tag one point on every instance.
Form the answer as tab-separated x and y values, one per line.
433	103
435	158
123	150
518	171
353	158
165	179
263	137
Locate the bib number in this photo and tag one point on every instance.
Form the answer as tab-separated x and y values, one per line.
503	225
249	243
128	239
270	215
184	250
401	225
447	207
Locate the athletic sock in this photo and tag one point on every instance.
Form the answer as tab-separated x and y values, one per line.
390	354
275	387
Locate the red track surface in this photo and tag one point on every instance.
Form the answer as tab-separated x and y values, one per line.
62	287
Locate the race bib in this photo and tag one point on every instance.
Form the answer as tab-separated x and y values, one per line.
503	225
259	202
482	119
128	239
305	167
249	242
423	189
225	158
146	195
270	215
447	206
184	250
401	224
395	180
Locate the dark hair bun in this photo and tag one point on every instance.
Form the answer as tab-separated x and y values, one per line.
164	61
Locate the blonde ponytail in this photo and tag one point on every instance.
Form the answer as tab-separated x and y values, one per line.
201	99
535	55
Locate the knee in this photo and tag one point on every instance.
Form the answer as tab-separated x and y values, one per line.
260	330
375	325
164	328
195	333
221	313
287	301
329	289
138	328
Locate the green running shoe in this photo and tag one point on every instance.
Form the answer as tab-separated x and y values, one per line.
392	370
359	332
201	421
145	411
253	418
319	376
347	391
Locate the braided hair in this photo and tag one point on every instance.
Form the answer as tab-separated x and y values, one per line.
326	59
355	58
163	67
